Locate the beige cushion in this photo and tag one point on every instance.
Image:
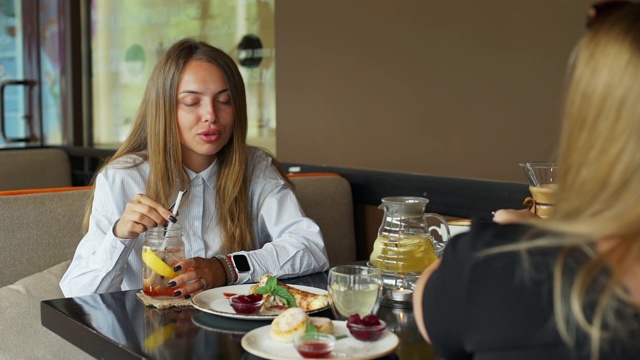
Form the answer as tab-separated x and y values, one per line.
23	336
34	168
39	231
328	201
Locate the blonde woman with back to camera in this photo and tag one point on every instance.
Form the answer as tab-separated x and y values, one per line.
567	287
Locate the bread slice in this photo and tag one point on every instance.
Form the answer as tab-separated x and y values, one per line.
289	325
323	324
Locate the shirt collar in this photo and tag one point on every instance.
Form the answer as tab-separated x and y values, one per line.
208	175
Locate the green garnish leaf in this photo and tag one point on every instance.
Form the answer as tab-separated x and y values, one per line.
272	282
272	287
310	329
285	295
338	337
268	287
263	290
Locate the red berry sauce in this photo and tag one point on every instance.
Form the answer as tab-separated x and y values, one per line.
314	349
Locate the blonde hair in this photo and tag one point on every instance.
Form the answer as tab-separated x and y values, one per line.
154	138
599	184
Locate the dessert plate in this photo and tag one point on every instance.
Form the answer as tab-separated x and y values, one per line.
215	301
258	342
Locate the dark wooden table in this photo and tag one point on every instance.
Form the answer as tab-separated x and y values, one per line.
118	326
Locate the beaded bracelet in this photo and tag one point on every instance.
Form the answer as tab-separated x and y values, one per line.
226	279
224	258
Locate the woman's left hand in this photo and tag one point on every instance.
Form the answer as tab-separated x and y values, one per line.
200	274
510	216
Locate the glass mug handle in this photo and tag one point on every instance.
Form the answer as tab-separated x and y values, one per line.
443	230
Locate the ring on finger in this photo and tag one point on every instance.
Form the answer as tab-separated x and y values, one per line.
204	283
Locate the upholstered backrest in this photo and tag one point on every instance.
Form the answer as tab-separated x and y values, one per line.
327	199
34	168
41	228
38	231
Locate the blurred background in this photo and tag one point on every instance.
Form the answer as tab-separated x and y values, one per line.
464	89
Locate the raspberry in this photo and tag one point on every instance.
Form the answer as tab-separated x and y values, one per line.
370	320
354	319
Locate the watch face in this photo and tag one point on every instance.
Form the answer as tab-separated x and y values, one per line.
241	262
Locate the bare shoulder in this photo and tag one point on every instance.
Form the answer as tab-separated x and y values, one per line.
418	296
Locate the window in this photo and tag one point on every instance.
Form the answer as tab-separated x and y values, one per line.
128	37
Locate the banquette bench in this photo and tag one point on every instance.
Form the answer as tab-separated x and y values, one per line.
34	168
40	229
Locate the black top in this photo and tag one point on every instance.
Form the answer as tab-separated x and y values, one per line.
487	307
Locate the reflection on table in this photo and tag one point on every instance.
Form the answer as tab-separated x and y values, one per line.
118	326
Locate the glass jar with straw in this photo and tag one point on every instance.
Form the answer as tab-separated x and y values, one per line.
163	248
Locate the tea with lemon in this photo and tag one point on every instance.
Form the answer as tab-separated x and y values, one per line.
406	254
162	249
157	270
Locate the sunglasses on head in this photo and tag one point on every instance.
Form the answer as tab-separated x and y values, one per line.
598	9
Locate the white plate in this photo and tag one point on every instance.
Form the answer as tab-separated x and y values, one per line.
215	302
259	343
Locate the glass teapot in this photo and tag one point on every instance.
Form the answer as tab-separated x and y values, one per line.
404	244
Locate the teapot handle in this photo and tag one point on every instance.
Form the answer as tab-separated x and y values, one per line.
443	224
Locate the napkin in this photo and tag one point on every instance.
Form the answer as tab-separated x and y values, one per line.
163	303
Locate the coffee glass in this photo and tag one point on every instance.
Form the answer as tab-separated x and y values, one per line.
354	289
542	178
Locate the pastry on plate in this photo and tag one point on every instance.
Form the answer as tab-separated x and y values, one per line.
304	299
323	324
288	325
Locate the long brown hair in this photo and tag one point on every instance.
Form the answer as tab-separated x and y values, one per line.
154	138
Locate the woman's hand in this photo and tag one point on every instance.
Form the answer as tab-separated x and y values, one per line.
139	214
201	274
510	216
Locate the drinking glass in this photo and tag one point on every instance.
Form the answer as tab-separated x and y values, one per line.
162	249
542	178
354	289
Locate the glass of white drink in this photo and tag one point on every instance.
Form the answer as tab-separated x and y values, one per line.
354	289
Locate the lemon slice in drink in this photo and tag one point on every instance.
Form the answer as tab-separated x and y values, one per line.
156	264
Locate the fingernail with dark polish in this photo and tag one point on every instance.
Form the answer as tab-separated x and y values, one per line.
171	284
187	296
173	219
177	293
177	268
166	223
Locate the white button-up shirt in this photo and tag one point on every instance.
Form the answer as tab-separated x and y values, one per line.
287	243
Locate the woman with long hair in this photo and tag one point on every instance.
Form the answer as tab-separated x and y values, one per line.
241	218
568	286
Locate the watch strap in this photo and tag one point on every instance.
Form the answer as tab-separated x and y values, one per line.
241	276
